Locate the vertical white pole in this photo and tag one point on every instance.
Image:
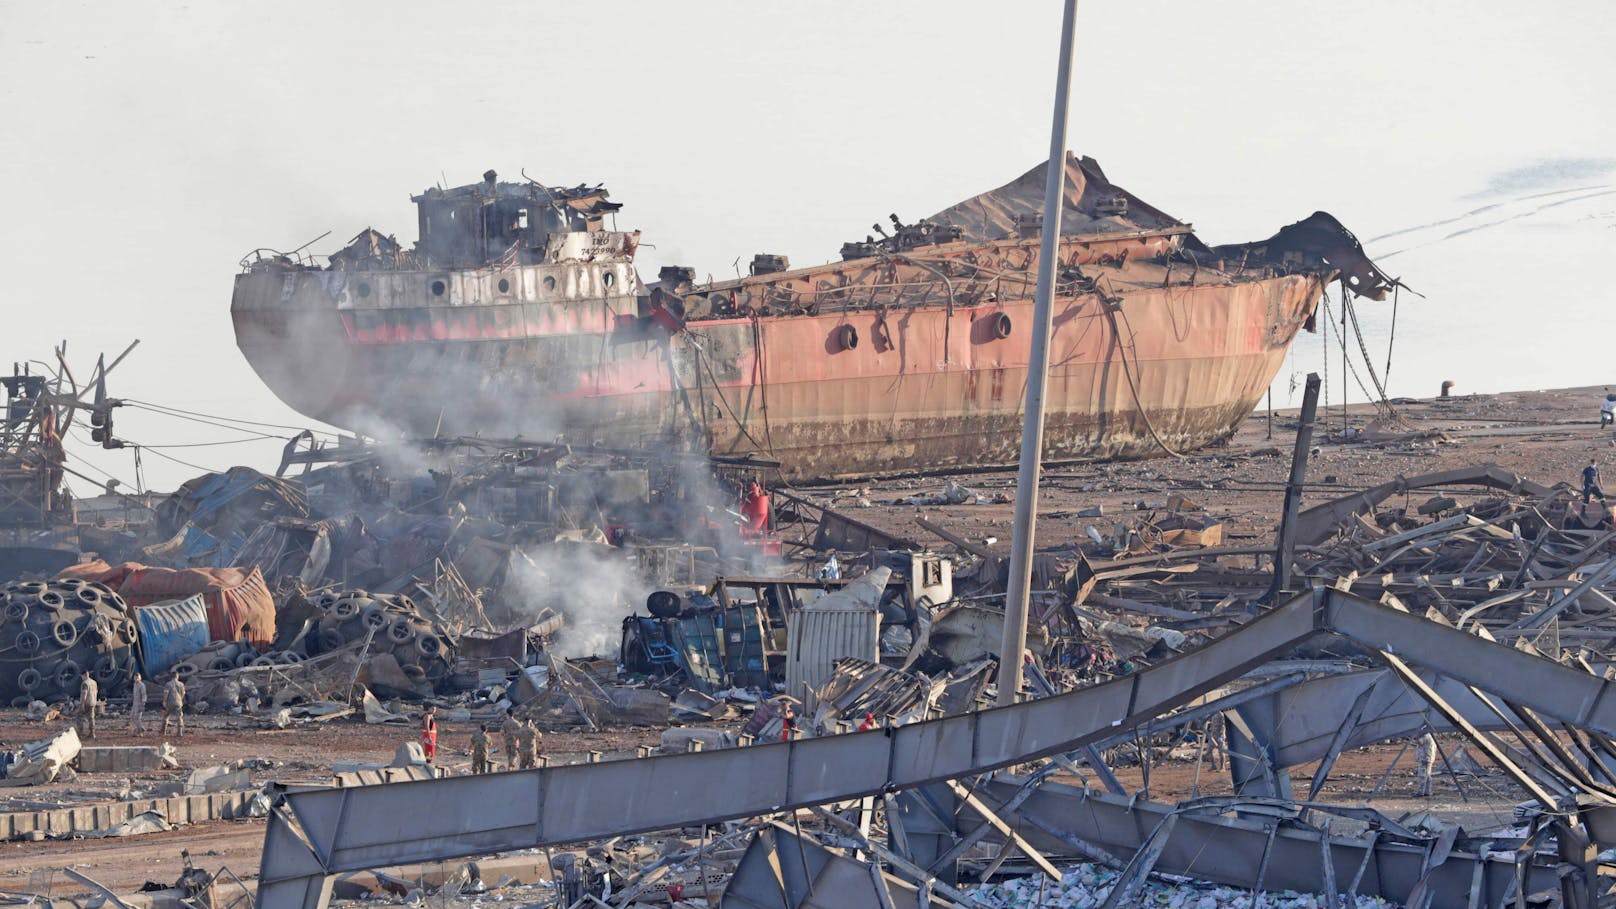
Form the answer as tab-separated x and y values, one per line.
1032	429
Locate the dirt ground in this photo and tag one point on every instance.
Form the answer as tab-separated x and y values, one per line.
1547	436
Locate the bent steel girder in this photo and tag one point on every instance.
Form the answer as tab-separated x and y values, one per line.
1317	524
1231	849
339	830
1300	723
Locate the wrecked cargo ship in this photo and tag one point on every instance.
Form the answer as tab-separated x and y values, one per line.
518	313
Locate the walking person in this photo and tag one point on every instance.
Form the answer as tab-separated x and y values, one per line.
1424	765
1590	482
174	705
429	733
89	696
137	706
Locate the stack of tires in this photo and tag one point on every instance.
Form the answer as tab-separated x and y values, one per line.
223	656
52	632
394	626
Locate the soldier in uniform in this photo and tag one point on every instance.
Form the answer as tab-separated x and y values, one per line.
137	706
174	705
481	744
509	730
89	696
527	744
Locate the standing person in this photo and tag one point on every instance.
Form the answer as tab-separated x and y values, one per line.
1590	482
788	723
869	721
527	746
1424	765
481	744
89	696
429	733
509	729
137	706
174	705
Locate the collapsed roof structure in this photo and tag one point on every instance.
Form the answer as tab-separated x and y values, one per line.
941	781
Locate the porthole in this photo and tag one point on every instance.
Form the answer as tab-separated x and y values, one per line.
438	287
504	286
364	289
608	279
549	282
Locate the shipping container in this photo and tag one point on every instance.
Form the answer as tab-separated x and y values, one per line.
170	632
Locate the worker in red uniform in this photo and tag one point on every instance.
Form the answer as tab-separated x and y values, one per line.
429	732
869	722
755	509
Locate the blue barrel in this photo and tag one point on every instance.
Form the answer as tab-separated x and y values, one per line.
171	631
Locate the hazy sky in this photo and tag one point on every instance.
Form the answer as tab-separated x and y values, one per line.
149	146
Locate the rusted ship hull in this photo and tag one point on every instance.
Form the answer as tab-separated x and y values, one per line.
518	314
1174	366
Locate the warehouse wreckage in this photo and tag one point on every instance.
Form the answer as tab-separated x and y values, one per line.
1507	568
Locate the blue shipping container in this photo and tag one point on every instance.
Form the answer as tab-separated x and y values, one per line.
171	631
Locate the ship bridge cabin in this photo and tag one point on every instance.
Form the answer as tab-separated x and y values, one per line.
494	223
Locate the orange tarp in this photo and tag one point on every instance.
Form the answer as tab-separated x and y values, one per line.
239	602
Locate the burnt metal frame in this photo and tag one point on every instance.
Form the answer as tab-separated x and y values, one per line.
316	834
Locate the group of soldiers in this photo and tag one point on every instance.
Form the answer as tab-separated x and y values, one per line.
522	741
173	705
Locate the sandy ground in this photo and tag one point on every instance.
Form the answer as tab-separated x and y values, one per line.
1546	436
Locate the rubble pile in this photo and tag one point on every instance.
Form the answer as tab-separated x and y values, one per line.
386	623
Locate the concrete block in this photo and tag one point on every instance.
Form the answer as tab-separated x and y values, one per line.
124	758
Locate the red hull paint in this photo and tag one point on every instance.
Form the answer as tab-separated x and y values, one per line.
924	388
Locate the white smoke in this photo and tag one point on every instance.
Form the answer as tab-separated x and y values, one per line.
594	585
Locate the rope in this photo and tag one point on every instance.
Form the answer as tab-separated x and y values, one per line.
1133	388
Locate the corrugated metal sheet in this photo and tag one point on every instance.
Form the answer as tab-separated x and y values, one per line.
239	602
844	623
171	631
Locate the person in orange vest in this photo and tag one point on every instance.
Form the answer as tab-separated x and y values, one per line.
755	509
429	733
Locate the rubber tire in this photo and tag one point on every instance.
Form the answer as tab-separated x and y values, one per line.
345	608
16	611
1001	325
373	617
847	337
29	679
89	596
50	599
105	670
288	658
27	643
401	631
65	633
67	674
126	631
428	645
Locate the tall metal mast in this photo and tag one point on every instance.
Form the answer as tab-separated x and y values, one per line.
1032	429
